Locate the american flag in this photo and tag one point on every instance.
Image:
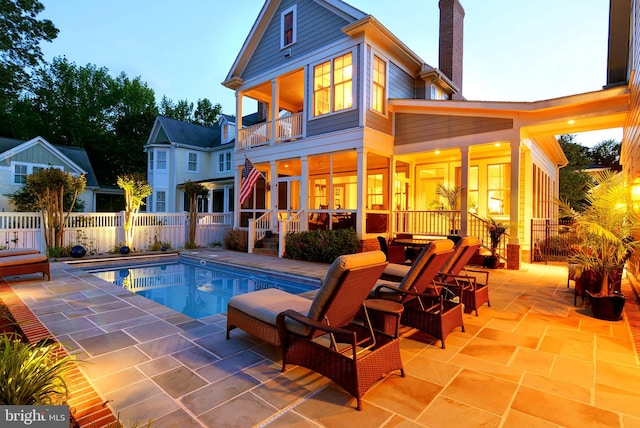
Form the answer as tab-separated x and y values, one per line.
249	177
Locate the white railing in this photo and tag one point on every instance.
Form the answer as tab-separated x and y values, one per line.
255	135
431	222
104	232
287	128
257	229
292	224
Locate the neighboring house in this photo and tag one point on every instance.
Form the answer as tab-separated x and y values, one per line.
179	151
358	130
18	158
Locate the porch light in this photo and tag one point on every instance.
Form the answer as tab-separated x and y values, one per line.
497	144
571	121
437	152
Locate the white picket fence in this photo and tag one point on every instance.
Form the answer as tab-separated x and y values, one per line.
103	232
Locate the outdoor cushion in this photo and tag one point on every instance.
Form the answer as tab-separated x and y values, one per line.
17	252
266	304
335	273
25	259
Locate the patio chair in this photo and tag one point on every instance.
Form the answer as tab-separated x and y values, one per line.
474	282
428	305
24	264
256	312
394	253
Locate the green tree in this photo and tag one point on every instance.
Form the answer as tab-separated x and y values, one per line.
193	191
136	188
607	153
205	114
20	35
87	107
49	185
573	182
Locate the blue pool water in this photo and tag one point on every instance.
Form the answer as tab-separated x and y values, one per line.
195	288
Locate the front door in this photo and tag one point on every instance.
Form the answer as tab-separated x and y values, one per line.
288	197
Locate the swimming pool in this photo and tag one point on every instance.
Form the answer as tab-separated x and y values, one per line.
196	288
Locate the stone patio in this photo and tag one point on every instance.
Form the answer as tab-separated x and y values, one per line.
531	359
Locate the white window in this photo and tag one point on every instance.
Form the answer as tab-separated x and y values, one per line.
224	162
333	85
438	94
161	161
379	95
21	170
192	162
151	160
19	173
161	201
288	27
498	189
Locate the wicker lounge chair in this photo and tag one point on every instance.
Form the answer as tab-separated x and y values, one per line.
256	312
428	305
321	334
474	282
24	264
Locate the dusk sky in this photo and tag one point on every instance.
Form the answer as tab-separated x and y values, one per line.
514	50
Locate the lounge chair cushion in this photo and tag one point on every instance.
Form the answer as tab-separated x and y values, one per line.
18	252
266	304
334	276
465	242
422	259
397	270
24	259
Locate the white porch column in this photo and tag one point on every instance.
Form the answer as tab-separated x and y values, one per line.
275	107
238	175
464	196
273	180
362	191
392	202
304	187
210	201
515	216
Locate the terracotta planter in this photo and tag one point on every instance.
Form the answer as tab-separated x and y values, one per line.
606	307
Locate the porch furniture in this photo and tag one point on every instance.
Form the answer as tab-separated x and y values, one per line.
18	252
24	264
384	315
394	253
474	282
256	312
320	220
428	306
331	342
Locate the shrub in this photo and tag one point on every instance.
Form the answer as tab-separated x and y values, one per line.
190	245
321	245
236	240
157	245
58	252
32	374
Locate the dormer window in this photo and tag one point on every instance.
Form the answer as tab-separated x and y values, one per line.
288	26
225	132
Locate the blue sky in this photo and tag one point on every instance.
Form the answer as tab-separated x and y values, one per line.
514	50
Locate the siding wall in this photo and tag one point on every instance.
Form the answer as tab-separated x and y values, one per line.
401	84
414	128
37	154
630	156
316	27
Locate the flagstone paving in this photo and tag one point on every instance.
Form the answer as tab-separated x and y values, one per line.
531	359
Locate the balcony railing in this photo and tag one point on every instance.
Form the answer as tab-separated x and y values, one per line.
288	128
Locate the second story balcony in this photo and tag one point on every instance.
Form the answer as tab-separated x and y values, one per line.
286	128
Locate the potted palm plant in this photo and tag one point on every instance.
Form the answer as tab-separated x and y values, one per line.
496	231
449	197
603	226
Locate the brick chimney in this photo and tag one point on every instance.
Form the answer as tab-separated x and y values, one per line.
451	32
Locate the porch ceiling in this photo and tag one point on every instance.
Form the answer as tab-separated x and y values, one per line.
291	88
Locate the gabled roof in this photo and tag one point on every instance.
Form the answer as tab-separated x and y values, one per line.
75	157
267	13
183	133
